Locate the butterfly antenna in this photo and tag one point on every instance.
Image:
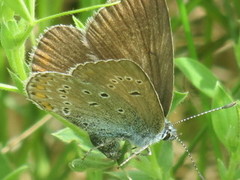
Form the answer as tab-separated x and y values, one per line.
206	112
191	158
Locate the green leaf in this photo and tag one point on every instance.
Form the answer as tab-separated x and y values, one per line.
178	97
226	122
67	135
8	30
18	82
237	51
201	77
221	168
30	4
7	87
165	157
92	161
158	164
16	61
13	34
78	23
16	173
130	174
145	165
187	29
6	13
5	169
20	8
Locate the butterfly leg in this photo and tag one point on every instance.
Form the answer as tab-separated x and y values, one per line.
148	153
133	155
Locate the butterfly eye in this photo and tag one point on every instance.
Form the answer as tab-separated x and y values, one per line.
167	136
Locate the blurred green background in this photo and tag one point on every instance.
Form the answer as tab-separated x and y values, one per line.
207	58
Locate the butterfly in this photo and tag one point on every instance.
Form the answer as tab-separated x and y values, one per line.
114	78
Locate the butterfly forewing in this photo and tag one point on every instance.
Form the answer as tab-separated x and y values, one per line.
60	48
138	30
111	98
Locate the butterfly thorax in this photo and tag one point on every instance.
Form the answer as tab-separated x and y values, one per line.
167	133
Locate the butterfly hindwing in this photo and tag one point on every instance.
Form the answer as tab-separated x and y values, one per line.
113	98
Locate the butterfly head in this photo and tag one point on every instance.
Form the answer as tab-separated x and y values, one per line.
169	133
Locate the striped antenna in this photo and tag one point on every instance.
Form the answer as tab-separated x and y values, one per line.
191	158
206	112
194	116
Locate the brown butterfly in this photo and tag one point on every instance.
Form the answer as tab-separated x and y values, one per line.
114	79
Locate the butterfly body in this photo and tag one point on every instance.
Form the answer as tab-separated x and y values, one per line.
114	79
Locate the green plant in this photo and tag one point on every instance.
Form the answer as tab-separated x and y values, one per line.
211	36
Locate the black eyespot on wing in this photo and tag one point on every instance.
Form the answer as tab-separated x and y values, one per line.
119	78
66	86
63	96
111	86
120	110
62	91
128	78
86	91
104	95
139	81
135	93
114	81
66	111
93	104
67	103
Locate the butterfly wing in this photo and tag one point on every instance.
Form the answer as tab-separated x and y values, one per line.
113	99
59	49
138	30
